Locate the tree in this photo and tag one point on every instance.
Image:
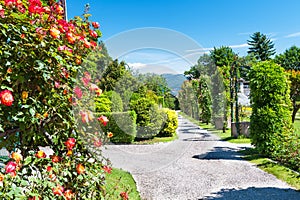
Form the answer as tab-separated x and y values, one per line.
112	74
261	46
223	58
290	61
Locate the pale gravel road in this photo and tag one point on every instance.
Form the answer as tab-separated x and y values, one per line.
196	166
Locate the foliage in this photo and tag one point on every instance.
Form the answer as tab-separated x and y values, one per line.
112	74
122	125
188	100
125	87
171	124
270	119
109	102
150	118
103	103
205	65
40	56
204	98
117	103
223	58
261	46
119	181
219	97
294	77
97	61
290	61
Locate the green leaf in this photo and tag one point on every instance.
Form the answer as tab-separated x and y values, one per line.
32	111
27	160
24	28
25	106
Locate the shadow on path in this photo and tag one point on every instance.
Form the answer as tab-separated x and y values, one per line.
255	193
222	153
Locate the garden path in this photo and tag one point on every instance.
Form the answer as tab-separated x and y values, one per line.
196	166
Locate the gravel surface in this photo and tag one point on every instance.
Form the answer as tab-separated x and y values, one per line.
196	166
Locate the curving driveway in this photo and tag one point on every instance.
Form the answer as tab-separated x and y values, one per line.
196	166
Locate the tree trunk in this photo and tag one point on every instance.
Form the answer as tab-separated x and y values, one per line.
296	107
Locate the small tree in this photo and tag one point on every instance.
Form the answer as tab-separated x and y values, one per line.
270	119
261	46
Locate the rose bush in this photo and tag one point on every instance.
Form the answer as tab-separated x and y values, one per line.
40	56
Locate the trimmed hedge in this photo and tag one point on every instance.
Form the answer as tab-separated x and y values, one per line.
271	122
122	125
171	124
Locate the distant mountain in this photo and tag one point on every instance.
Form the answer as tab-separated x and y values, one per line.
174	82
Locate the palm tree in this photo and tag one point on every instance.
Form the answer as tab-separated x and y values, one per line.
261	46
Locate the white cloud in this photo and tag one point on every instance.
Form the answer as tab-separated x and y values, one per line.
136	65
200	49
206	50
237	46
293	35
152	68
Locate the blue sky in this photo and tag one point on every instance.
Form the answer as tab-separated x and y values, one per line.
208	23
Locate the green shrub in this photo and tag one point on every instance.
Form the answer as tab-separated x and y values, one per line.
149	117
103	103
271	122
170	125
122	125
116	101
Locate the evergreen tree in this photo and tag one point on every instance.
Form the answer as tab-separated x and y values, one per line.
261	46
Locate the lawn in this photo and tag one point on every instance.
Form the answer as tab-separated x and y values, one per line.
156	140
119	181
281	172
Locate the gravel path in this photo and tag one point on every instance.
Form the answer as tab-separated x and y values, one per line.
196	166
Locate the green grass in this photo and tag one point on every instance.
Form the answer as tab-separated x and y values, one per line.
224	136
156	140
119	181
281	172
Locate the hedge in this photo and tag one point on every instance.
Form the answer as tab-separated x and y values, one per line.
122	125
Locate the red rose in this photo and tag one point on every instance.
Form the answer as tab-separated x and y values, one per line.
78	92
93	33
70	143
6	98
124	195
107	169
10	167
95	24
49	169
103	120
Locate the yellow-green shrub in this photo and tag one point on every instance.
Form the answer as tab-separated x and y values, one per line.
171	124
